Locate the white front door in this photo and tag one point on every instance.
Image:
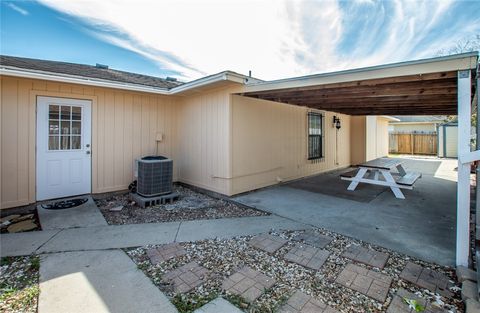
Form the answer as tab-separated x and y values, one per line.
63	147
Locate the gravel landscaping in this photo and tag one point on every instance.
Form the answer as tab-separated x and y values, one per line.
119	209
223	257
19	288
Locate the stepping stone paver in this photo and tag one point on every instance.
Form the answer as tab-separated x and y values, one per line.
165	252
312	238
248	283
186	277
302	303
370	283
366	256
267	243
399	305
307	256
426	278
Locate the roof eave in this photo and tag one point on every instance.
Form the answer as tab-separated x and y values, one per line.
33	74
433	65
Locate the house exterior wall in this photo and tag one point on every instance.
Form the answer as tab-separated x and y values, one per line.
358	139
270	143
376	137
414	127
124	127
204	140
218	141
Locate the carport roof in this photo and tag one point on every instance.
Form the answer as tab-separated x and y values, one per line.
422	87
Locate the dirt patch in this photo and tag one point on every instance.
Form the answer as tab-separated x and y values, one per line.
191	205
19	287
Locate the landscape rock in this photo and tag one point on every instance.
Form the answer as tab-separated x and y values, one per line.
116	209
22	218
21	226
9	218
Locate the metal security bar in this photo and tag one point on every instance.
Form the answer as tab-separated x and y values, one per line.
315	132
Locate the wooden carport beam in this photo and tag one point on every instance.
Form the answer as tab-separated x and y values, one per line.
420	94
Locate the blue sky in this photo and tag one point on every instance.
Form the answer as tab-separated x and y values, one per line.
272	38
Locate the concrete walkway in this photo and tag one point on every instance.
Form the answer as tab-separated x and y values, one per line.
85	215
126	236
97	281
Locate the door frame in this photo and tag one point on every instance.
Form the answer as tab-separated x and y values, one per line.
34	95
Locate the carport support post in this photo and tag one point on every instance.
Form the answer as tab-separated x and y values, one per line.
463	186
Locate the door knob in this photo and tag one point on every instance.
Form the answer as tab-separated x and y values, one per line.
88	152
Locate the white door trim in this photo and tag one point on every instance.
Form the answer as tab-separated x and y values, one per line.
63	162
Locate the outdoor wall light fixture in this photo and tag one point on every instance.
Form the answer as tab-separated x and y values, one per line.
336	122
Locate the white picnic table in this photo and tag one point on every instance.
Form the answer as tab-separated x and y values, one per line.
383	170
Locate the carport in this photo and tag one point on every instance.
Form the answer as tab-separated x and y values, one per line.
438	86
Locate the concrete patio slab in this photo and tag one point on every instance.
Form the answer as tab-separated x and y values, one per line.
85	215
97	281
422	225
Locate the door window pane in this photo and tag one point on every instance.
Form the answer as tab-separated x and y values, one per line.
65	142
76	128
53	143
76	142
53	127
53	112
65	115
65	127
76	113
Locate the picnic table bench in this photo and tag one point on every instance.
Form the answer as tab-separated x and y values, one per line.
381	170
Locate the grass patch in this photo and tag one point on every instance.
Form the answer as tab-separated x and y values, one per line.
189	303
237	301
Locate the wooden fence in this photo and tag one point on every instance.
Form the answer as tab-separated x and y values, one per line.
413	143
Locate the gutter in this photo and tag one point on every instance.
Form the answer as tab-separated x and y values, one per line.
65	78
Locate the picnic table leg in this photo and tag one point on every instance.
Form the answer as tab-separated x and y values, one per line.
389	178
401	170
356	179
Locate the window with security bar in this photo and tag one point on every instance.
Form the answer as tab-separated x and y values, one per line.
315	140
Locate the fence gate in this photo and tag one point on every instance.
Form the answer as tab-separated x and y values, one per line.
413	143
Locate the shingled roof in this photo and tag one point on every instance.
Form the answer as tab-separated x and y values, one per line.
87	71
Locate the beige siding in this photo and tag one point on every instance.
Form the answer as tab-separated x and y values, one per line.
124	127
270	143
204	140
